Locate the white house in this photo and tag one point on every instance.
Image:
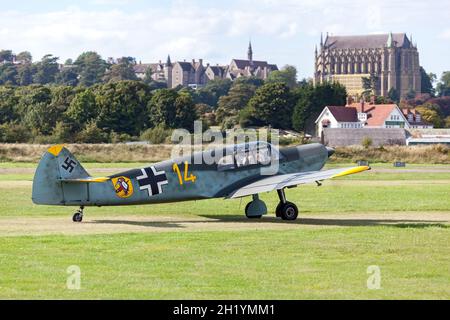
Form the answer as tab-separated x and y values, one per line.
366	115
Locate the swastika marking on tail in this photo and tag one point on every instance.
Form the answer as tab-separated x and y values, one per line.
69	164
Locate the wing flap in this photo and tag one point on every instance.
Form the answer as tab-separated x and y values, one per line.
293	179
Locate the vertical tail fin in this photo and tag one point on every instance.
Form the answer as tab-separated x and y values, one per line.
56	164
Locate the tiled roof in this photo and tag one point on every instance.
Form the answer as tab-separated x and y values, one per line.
242	64
376	113
218	70
185	66
365	41
143	67
343	114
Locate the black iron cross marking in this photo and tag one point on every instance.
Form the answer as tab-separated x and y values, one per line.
69	165
152	180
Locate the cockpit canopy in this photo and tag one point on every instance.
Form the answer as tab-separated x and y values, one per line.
255	153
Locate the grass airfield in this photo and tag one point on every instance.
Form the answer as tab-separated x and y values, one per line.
396	219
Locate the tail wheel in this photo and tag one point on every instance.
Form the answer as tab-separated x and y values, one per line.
288	211
77	217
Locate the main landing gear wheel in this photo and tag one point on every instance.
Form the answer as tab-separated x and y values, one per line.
289	211
285	209
78	216
278	210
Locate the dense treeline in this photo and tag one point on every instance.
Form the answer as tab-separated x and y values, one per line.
91	100
132	110
116	111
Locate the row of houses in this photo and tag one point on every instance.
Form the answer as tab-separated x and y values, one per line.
196	74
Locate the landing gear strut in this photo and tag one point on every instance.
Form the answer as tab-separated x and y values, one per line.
285	209
78	216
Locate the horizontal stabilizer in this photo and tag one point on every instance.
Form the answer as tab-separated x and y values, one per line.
87	180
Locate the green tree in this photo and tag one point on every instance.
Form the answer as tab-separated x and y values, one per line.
82	108
6	56
148	76
287	75
92	134
156	135
123	70
230	105
311	101
68	76
34	109
46	70
42	116
271	105
443	87
122	106
185	113
91	68
432	114
14	133
370	84
24	57
39	119
211	93
61	98
411	94
8	74
29	96
393	95
62	132
161	108
427	80
257	82
8	101
25	74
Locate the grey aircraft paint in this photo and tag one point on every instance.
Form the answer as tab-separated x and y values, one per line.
61	180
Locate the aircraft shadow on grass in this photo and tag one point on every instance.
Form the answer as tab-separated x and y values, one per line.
338	222
152	224
397	223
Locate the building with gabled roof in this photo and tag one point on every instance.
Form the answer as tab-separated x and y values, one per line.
188	74
194	74
361	115
215	72
249	68
160	71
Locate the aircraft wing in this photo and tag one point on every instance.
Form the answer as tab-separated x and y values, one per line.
292	179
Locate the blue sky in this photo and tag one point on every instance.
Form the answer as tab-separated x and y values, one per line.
282	31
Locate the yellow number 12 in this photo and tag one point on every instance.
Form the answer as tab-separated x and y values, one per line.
186	169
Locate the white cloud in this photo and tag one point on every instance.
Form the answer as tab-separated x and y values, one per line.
283	30
187	32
